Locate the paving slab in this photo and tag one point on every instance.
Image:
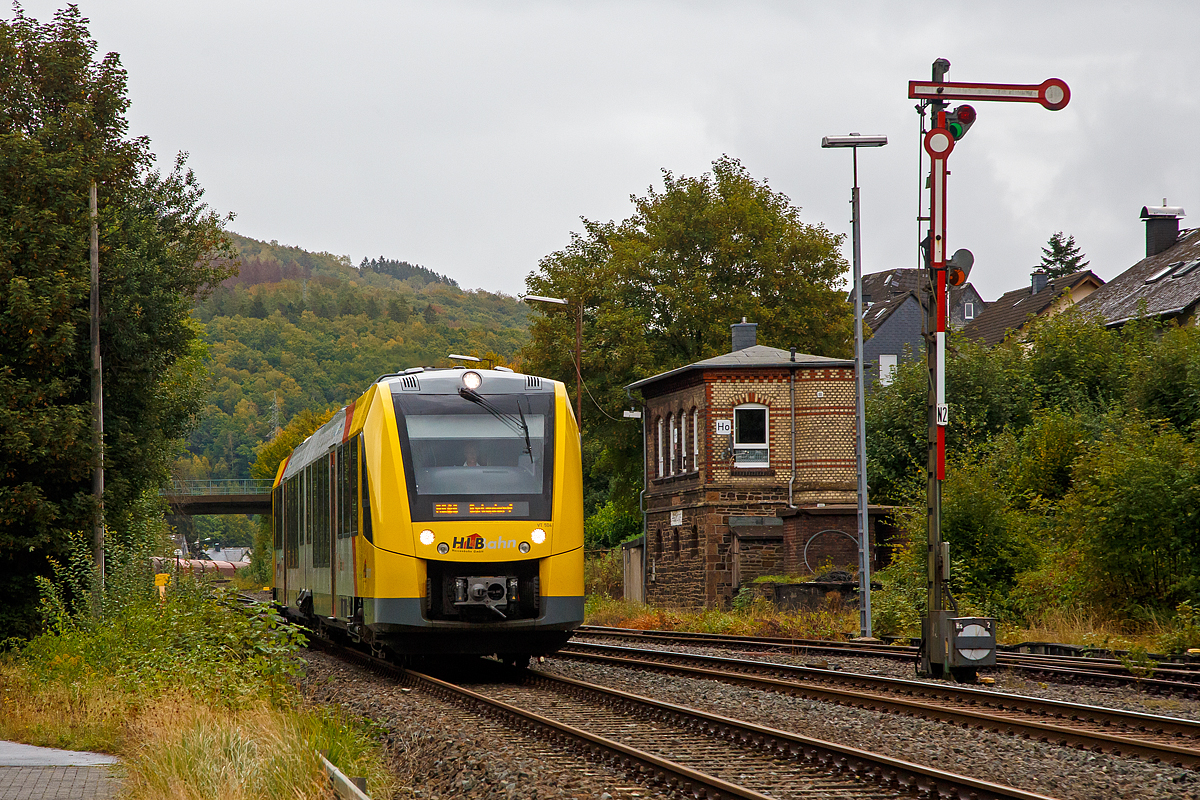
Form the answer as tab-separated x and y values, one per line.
44	773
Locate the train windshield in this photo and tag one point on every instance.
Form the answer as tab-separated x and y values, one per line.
485	458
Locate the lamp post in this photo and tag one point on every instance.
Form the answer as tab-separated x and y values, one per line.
855	141
578	347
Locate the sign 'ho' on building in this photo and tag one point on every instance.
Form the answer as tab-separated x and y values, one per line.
750	471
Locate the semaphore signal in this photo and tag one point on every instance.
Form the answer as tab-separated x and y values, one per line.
950	643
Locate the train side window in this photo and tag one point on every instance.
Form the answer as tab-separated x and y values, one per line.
343	493
321	535
353	472
366	496
310	497
339	502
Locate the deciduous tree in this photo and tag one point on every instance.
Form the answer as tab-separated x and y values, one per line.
62	126
660	290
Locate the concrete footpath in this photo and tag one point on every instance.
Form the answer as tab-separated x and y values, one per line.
43	773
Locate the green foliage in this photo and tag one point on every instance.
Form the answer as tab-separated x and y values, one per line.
609	526
1074	471
1184	630
660	290
1061	256
200	636
988	393
1134	511
603	574
301	331
62	126
1164	380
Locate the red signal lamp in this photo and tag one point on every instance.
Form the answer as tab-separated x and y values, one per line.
958	267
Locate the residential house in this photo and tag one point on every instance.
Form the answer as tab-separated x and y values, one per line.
750	470
894	311
1012	313
1164	284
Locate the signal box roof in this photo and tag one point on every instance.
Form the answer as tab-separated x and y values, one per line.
757	356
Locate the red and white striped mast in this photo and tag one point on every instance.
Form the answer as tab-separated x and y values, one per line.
947	127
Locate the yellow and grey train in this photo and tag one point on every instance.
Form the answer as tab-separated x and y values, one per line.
440	513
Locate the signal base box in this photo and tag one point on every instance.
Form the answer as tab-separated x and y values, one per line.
956	644
971	642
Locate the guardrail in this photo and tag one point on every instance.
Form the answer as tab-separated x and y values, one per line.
217	487
344	787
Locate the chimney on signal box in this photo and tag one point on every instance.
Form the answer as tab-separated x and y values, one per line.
745	334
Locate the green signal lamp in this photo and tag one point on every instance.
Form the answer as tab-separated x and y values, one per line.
960	120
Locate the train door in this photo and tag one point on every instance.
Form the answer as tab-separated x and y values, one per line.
310	496
343	557
294	538
321	549
278	522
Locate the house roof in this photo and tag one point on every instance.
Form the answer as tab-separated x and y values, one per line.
877	314
881	287
1013	309
1168	282
757	356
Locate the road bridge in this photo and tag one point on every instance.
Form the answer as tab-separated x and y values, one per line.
235	496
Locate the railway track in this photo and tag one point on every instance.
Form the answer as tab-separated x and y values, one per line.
1181	680
685	751
1167	740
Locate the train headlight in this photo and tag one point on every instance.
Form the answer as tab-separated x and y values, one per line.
538	536
472	380
427	537
523	547
443	548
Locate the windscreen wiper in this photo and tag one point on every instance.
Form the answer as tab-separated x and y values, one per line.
518	426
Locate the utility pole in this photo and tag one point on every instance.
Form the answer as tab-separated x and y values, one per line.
97	393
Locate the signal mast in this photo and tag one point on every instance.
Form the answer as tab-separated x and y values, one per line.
950	643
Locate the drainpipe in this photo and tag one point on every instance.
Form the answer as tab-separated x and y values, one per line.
792	381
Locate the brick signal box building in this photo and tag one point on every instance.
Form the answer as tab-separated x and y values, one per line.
728	498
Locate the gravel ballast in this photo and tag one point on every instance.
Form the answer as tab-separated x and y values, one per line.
442	751
439	751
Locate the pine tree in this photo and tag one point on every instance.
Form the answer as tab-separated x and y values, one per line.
1062	256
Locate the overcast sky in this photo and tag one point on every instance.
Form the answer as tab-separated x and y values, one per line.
470	137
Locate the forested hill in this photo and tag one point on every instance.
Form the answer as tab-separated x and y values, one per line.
296	330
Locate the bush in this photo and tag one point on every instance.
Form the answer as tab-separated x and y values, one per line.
1184	631
604	574
610	526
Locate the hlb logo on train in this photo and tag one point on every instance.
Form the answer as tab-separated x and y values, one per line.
477	542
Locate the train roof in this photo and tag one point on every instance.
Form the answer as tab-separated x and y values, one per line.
430	380
422	380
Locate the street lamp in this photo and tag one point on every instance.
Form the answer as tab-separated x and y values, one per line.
533	298
855	141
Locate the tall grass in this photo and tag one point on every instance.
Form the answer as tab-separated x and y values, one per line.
194	689
758	618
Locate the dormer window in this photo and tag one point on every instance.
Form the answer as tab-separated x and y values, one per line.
1164	271
750	426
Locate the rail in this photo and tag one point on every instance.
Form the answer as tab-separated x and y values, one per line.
233	486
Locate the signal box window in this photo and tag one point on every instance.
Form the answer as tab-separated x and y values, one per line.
750	447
